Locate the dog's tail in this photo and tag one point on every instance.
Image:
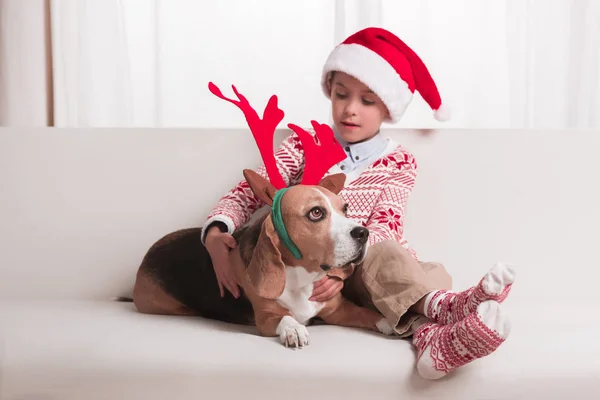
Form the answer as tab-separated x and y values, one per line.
124	299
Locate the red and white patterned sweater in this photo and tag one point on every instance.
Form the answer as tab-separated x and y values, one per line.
376	198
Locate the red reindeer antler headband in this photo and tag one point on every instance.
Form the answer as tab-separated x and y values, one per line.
320	152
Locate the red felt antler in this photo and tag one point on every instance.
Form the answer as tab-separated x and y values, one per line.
321	153
263	130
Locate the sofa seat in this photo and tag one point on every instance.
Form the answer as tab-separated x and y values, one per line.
80	207
106	350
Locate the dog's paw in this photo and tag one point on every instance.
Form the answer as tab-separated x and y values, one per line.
384	327
292	333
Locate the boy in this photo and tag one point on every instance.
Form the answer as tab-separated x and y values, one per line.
370	79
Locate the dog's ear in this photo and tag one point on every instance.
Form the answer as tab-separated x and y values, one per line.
266	271
260	186
334	183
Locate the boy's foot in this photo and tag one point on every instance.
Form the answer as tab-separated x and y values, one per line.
443	348
447	307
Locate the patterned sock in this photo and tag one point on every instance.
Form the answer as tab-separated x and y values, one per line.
447	307
443	348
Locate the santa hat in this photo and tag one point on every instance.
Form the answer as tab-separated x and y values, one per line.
391	69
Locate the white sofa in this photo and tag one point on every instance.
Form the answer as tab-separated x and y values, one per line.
79	208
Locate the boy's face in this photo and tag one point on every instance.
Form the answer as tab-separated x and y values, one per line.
357	112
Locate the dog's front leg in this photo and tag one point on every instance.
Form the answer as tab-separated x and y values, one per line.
291	333
343	312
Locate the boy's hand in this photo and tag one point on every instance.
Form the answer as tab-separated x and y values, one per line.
326	288
219	244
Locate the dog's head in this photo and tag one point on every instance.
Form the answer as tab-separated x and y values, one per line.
321	236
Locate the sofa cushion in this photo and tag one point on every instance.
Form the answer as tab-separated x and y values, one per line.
106	350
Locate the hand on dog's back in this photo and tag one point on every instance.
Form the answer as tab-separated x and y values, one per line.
218	245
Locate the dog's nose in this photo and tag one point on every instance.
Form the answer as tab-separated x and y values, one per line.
360	233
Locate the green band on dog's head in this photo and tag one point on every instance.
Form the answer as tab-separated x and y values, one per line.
280	226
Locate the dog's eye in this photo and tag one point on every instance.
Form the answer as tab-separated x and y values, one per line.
316	214
345	209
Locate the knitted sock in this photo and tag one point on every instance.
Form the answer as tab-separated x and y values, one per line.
447	307
443	348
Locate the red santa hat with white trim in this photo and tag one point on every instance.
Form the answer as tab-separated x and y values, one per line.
391	69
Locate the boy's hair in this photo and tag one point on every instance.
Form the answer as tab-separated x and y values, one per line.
330	80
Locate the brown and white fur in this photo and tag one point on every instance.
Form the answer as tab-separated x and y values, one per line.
276	285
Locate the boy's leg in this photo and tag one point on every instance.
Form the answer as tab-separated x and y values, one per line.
443	348
447	307
403	289
391	281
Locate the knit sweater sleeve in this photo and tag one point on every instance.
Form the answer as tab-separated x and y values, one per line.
236	207
386	221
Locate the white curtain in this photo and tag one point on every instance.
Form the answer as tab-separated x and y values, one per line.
25	80
146	63
263	47
91	68
553	50
463	43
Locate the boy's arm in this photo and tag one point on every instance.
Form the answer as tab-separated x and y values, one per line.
386	221
236	207
387	217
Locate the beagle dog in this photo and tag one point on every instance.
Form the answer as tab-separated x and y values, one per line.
305	236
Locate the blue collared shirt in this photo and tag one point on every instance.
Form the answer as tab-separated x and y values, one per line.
361	154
